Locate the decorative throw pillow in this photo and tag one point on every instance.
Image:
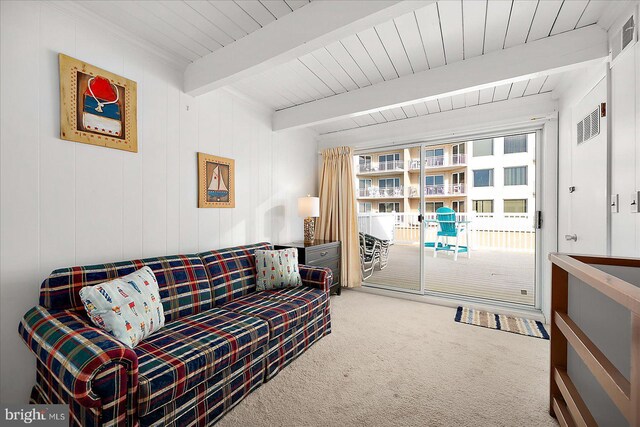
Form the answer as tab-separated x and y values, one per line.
128	307
277	269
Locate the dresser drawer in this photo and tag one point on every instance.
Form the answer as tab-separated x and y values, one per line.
318	254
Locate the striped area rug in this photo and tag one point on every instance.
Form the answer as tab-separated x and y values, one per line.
501	322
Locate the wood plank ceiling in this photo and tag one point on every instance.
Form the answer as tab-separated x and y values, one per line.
433	36
190	29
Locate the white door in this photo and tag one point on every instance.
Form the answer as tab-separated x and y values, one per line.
588	197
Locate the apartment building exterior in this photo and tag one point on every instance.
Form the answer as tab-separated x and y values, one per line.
494	176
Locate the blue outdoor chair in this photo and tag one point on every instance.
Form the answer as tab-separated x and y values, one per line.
448	227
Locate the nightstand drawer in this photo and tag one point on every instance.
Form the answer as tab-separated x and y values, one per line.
319	254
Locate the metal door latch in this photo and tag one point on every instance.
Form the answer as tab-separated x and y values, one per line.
569	237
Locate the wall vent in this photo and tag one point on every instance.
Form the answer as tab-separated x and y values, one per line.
588	127
624	37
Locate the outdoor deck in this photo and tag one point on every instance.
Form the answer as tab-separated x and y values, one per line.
493	275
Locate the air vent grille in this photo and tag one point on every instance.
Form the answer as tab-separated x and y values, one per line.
588	127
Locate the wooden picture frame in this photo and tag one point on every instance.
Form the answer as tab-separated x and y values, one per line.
97	107
216	182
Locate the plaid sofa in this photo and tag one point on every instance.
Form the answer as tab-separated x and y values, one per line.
221	340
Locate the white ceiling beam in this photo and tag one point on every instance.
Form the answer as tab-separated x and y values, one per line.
296	34
469	121
550	55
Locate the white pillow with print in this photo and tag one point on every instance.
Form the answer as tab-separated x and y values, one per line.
128	307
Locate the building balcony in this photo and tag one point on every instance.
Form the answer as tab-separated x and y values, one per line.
381	168
381	193
451	190
439	162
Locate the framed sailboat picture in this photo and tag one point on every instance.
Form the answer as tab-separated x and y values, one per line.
97	107
216	186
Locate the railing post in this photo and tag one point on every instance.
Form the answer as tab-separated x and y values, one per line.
559	303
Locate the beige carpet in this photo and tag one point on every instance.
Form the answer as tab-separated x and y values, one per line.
392	362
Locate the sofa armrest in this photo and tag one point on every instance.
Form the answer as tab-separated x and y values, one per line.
76	352
316	277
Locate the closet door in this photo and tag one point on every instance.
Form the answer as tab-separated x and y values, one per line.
588	202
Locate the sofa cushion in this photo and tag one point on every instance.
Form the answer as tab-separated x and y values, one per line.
128	307
277	269
182	279
191	350
283	309
232	271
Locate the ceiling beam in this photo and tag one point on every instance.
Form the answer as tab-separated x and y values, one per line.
554	54
492	117
308	28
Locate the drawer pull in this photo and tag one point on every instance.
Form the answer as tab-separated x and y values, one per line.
323	253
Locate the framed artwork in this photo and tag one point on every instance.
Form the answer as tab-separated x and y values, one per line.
216	184
97	107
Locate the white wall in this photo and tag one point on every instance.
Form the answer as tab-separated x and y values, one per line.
66	203
499	192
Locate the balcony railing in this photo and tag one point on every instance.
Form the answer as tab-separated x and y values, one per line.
508	232
439	190
439	161
392	165
377	192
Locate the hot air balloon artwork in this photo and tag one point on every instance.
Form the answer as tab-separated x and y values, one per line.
96	106
215	182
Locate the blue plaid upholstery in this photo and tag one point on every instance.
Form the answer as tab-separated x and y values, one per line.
316	277
232	271
195	369
80	362
285	348
283	309
188	351
206	403
183	282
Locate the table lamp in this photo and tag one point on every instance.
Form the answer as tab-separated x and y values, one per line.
309	208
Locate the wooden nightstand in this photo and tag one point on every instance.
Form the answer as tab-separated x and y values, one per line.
320	253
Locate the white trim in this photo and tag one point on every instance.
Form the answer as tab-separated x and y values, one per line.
450	126
513	309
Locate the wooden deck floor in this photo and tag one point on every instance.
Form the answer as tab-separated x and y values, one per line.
492	275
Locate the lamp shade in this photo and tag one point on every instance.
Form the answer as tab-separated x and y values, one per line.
309	207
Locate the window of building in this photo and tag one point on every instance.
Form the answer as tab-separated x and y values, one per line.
515	206
515	175
483	206
434	157
364	163
458	205
388	207
458	154
389	182
364	207
483	147
432	180
433	206
434	184
389	162
363	187
515	144
483	178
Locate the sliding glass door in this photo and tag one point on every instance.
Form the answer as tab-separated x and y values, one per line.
389	200
483	247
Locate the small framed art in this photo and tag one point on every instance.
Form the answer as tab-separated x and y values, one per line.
216	185
97	107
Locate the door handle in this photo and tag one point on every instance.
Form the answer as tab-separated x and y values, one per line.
569	237
323	253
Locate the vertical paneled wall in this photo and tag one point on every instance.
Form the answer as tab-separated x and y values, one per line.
66	203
